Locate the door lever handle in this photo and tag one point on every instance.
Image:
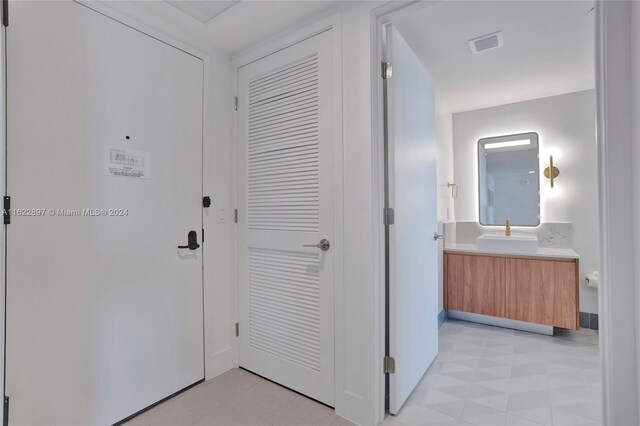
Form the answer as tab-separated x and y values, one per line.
437	236
192	241
323	245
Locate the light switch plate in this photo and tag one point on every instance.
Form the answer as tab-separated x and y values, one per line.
221	216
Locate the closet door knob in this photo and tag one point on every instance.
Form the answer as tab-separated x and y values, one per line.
323	245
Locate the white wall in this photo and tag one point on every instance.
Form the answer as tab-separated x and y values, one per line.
220	337
444	139
566	128
635	120
355	375
444	166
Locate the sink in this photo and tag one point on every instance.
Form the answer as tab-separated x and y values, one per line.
527	244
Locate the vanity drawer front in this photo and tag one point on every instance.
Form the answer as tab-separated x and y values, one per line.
542	292
476	284
530	291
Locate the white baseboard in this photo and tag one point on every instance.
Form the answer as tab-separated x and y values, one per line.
221	362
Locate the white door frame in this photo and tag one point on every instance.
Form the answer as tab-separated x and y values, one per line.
208	218
618	340
304	31
617	295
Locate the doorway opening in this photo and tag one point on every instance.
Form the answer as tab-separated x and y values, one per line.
496	75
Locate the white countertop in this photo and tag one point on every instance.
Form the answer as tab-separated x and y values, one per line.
556	253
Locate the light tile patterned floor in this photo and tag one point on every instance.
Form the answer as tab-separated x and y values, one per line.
483	376
493	376
240	398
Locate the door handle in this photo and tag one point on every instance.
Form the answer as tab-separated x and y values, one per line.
437	236
192	241
323	245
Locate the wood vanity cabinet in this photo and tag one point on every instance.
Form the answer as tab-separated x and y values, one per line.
537	290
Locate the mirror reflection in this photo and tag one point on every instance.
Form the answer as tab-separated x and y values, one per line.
509	182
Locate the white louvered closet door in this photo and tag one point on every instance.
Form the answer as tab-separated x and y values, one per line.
285	200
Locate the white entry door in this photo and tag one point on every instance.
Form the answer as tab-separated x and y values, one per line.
104	311
412	193
285	200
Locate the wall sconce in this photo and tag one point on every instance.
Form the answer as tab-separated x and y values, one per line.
551	172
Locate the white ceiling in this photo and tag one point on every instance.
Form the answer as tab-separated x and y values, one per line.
203	11
239	27
548	50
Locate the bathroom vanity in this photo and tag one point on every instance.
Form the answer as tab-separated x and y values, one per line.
533	291
508	280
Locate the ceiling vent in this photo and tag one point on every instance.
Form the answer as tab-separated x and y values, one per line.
203	11
486	42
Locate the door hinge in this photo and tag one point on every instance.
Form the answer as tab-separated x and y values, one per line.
388	216
389	365
203	235
6	213
237	329
5	412
387	70
235	103
206	202
5	13
235	216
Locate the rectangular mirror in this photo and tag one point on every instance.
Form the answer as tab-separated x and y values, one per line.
509	180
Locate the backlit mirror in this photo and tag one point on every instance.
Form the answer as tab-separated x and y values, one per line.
508	180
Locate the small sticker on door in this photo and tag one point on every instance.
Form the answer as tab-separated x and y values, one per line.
124	162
